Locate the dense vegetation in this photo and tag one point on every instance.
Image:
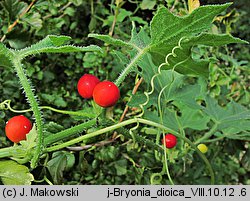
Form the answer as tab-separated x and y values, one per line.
180	68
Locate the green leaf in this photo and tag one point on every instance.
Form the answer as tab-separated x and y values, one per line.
3	49
61	161
54	44
192	118
169	31
173	27
209	39
224	115
137	99
147	4
122	59
189	94
167	77
70	11
175	88
92	24
139	40
231	119
54	99
18	40
110	40
23	153
4	61
138	20
172	82
66	133
12	173
232	133
60	102
53	127
183	62
4	56
58	40
183	95
107	154
34	20
14	8
119	18
189	118
168	120
77	2
121	167
31	138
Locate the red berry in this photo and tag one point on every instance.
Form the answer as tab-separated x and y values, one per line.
17	128
106	94
170	140
86	85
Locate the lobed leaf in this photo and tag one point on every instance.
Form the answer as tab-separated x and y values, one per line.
231	119
192	118
54	44
173	28
110	40
166	31
189	118
233	112
183	62
210	39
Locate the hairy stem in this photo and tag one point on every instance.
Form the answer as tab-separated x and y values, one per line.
90	135
6	152
131	65
128	122
69	132
16	60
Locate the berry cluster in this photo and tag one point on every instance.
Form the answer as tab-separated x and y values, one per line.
104	93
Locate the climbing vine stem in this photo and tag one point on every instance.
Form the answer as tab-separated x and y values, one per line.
128	122
16	60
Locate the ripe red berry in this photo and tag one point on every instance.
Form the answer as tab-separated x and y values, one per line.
17	128
86	85
170	140
106	94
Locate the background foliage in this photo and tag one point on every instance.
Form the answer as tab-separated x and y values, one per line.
55	77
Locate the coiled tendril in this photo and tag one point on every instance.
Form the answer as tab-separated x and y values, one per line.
147	94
